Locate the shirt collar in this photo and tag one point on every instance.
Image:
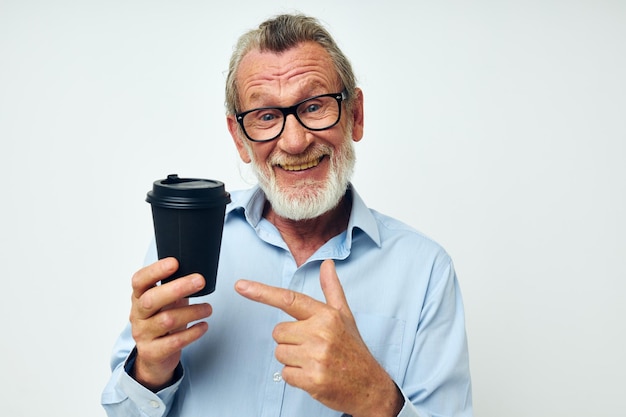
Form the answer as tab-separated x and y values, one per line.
252	201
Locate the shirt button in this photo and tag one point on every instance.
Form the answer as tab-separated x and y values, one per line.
154	404
277	377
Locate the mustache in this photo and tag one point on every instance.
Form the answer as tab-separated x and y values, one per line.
314	152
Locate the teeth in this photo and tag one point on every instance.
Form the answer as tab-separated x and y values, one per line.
301	167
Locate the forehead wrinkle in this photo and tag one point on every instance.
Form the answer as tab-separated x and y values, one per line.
269	79
306	88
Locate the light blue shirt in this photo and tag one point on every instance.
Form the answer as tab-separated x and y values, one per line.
400	285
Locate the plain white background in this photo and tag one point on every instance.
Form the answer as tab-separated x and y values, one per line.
496	127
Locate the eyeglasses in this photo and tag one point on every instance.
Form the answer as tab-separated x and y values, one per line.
316	113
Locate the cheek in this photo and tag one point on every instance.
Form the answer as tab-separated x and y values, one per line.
260	152
244	154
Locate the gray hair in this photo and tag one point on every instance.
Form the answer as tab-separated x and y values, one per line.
280	34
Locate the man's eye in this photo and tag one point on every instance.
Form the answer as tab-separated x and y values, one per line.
311	108
266	115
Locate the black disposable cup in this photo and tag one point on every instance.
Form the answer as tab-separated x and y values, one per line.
188	217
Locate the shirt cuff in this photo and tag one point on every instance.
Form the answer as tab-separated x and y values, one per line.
408	409
150	403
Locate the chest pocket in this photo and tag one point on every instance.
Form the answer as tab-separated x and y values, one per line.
383	336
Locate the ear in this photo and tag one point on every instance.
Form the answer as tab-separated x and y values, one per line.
357	116
233	128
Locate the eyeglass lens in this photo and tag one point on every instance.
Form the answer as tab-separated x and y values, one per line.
317	113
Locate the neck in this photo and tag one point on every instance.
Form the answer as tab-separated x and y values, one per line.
305	237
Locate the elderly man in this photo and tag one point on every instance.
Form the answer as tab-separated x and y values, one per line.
323	306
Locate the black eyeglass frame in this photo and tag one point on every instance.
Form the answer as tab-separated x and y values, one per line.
286	111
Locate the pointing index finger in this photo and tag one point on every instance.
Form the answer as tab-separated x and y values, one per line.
297	305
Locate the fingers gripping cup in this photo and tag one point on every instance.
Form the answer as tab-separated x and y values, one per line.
188	216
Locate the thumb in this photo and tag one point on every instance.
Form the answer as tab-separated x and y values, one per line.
333	291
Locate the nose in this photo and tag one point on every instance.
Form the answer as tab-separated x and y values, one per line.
295	138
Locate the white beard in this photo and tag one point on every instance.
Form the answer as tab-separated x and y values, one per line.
307	199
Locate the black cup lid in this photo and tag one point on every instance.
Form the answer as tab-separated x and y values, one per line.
187	193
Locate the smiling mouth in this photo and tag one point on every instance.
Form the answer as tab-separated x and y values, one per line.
303	166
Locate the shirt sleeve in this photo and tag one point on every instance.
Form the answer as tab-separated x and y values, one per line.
125	397
437	380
